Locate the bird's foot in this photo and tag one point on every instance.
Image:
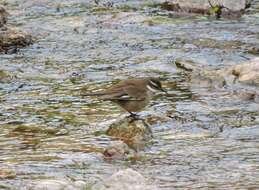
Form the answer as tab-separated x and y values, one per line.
134	117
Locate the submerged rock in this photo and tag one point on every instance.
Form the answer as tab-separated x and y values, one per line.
11	39
242	78
6	76
125	179
7	173
34	129
135	133
247	73
116	150
3	16
52	184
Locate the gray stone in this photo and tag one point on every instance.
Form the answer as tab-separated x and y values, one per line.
125	180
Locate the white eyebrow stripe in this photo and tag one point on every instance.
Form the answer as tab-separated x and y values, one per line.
151	89
155	84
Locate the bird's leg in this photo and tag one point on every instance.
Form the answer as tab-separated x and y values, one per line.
133	115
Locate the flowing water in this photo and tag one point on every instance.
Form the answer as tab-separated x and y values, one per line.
207	139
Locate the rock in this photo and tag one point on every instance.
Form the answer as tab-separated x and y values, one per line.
6	76
125	179
52	184
6	173
135	133
116	150
11	39
208	78
3	16
219	8
28	128
234	5
247	73
186	65
242	78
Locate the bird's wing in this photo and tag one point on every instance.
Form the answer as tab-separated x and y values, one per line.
123	92
134	92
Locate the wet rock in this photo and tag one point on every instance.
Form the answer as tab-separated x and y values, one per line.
3	16
59	185
11	39
135	133
116	150
7	173
243	78
34	129
125	179
247	73
186	65
202	77
6	76
208	78
235	5
253	50
225	8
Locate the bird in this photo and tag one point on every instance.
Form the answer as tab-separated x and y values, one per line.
133	94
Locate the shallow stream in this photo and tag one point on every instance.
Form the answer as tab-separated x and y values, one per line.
206	139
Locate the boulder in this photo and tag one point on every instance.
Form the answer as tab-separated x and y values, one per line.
128	179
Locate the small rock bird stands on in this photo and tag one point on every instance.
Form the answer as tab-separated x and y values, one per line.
132	95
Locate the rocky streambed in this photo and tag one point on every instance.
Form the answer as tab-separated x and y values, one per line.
204	132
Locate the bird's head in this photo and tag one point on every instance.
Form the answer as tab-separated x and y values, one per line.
155	84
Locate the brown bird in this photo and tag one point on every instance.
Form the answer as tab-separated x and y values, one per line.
132	95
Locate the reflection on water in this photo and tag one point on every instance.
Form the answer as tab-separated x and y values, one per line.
203	139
